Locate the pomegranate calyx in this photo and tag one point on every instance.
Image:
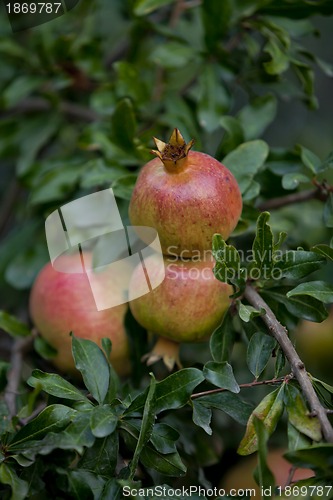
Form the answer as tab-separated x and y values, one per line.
173	153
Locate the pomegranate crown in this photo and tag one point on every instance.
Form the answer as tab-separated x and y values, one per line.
173	153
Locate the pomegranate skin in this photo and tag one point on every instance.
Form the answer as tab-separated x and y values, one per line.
187	306
61	303
186	206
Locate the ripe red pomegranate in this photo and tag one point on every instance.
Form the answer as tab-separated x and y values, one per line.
61	303
187	306
186	196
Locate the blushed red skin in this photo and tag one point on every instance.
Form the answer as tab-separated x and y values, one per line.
63	302
189	206
187	306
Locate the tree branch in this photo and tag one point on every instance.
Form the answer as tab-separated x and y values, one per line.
280	334
38	104
290	199
242	386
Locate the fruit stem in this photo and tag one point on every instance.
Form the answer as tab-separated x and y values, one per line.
174	153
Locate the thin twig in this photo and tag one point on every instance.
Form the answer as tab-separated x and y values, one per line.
242	386
280	334
20	347
38	104
289	199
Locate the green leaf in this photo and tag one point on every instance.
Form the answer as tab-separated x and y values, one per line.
144	7
245	161
123	124
53	419
221	375
20	88
234	134
300	306
247	313
148	419
293	179
279	62
90	361
328	211
102	457
103	421
263	245
309	159
256	116
57	386
172	392
85	484
213	98
172	55
13	326
324	251
259	352
263	474
318	457
296	264
44	349
222	340
202	416
319	290
299	416
164	438
269	411
123	186
296	439
169	464
229	403
18	486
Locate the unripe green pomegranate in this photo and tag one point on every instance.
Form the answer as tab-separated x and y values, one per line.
188	305
61	303
187	196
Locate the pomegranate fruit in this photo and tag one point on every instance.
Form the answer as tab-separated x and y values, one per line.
187	306
187	196
62	302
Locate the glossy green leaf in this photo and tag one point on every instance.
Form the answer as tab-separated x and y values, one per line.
90	361
169	464
172	392
101	458
309	159
296	439
44	349
299	416
293	179
146	429
123	186
144	7
257	115
301	306
245	161
259	352
269	411
263	474
229	403
247	313
123	124
103	421
234	134
202	416
56	385
296	264
172	55
85	484
20	88
222	340
9	476
318	457
279	62
324	251
13	326
53	419
263	246
319	290
163	438
221	375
